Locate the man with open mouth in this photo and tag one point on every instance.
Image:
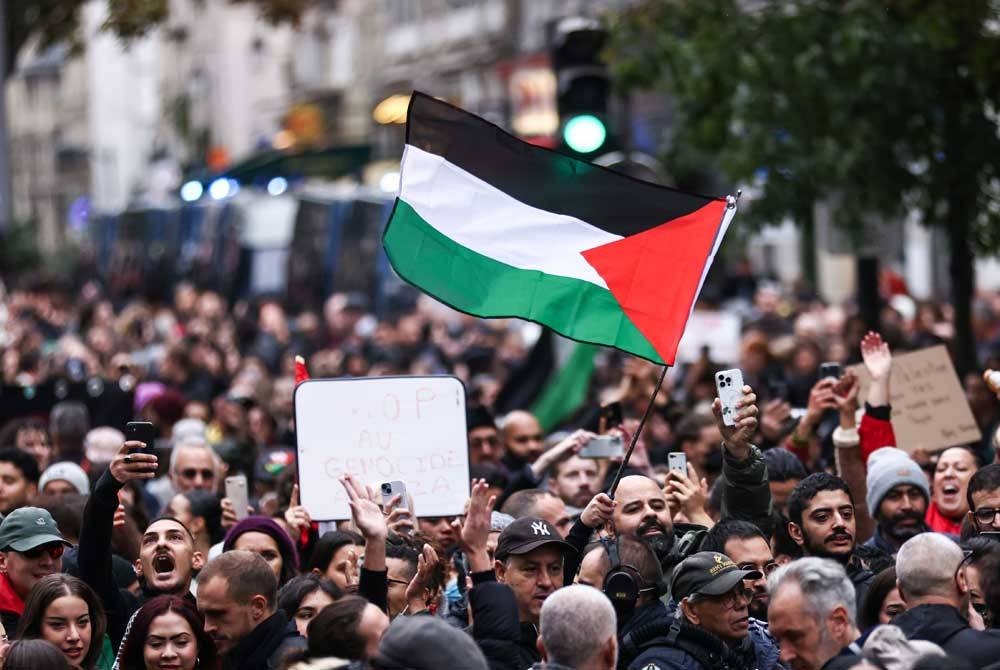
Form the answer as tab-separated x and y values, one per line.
167	557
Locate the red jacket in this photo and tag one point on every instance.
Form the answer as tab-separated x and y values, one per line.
11	605
875	432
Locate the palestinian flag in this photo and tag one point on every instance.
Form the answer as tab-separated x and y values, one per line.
496	227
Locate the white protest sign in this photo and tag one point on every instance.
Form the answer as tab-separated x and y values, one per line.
929	407
719	331
382	429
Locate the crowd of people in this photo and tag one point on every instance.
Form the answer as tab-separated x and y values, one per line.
800	537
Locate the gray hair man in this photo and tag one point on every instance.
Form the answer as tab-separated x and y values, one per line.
811	613
937	599
578	631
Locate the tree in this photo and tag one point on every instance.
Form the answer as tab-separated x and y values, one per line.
881	107
58	22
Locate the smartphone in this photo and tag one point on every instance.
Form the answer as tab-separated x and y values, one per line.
236	491
76	370
729	385
678	461
611	416
777	389
830	370
603	446
141	431
391	489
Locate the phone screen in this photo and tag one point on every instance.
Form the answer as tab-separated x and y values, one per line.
141	431
236	491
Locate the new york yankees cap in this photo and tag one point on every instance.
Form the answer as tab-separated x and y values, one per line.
527	534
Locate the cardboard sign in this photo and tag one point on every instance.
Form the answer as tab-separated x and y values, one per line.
382	429
929	408
719	331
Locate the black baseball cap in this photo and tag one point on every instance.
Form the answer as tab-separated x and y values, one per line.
707	573
527	534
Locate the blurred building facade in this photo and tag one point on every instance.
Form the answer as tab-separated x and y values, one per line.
117	125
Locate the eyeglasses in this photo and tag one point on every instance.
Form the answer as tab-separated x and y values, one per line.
734	598
191	473
766	569
483	441
53	550
987	515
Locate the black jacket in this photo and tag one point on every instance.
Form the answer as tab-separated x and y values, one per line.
746	495
651	636
861	577
94	557
507	643
945	627
265	646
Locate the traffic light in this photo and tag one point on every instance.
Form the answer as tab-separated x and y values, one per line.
583	85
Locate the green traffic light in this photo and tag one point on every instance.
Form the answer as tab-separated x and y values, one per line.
584	133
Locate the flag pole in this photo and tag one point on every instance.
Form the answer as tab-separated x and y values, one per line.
638	431
731	203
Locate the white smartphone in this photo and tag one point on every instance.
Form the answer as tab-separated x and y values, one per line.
729	385
603	446
678	460
391	489
236	491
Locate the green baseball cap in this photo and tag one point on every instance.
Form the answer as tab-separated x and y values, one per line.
26	528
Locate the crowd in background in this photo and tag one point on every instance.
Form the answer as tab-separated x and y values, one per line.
801	537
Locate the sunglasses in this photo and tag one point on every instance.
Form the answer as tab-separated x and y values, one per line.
53	550
191	473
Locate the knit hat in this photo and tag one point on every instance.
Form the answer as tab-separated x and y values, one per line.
428	643
67	472
266	525
889	467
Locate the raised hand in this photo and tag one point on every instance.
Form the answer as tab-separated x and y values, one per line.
418	588
572	444
297	516
131	463
399	519
475	530
690	494
348	567
738	437
878	360
598	511
821	398
365	511
845	395
369	520
229	518
876	355
774	419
